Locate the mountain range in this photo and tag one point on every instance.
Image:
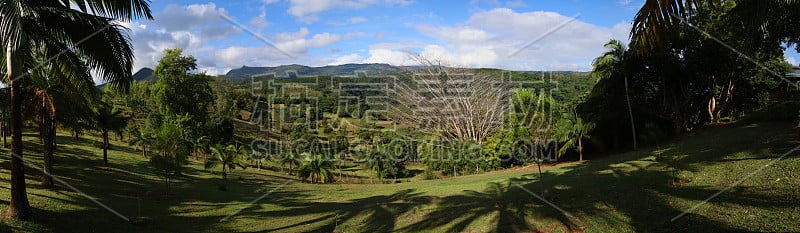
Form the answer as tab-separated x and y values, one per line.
290	71
294	70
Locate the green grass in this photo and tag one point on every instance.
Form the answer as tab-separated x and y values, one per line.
630	192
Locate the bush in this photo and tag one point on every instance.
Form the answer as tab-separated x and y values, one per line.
781	111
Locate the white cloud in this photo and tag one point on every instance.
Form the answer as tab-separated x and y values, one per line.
379	35
299	42
388	56
355	20
188	27
175	17
498	38
458	34
296	44
347	59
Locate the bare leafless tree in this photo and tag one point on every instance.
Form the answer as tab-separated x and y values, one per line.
454	103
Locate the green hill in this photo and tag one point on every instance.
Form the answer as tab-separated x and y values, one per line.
300	70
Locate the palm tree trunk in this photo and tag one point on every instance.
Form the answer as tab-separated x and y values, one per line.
47	135
630	113
18	207
224	173
580	149
3	127
105	147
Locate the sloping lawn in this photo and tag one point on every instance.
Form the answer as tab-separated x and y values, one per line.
630	192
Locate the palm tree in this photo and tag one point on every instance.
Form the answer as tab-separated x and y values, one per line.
229	157
50	93
316	167
79	35
4	104
290	158
612	64
108	120
572	131
201	146
142	138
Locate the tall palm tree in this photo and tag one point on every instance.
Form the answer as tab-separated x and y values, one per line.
52	93
229	157
572	132
4	109
78	36
108	120
612	64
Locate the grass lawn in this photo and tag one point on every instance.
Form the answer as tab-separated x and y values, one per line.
630	192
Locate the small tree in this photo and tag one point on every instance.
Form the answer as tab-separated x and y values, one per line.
290	158
108	120
316	167
172	151
572	131
201	146
142	138
229	157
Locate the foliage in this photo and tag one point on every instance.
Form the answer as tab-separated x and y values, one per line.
219	129
108	120
572	131
317	167
291	158
77	38
169	142
177	92
229	157
388	155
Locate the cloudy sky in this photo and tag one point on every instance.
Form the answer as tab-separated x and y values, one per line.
516	35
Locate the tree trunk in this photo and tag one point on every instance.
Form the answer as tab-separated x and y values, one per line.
144	150
580	149
712	106
3	128
224	173
105	147
47	135
77	136
630	113
18	207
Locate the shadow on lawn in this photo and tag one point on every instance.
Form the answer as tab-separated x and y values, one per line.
630	192
623	193
380	211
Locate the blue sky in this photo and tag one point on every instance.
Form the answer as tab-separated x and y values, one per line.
478	33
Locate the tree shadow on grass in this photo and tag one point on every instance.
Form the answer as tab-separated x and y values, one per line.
379	212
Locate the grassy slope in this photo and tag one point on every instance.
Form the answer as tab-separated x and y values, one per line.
622	193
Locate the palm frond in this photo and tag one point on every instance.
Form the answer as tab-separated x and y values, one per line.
658	20
128	9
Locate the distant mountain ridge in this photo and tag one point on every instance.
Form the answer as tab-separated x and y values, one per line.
294	70
289	71
145	74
